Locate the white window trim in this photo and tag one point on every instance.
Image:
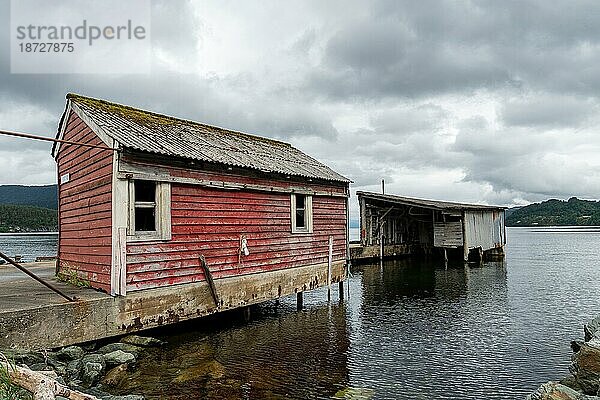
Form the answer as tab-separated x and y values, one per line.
162	216
308	214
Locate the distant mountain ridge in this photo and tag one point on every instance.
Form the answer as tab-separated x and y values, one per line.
37	196
555	212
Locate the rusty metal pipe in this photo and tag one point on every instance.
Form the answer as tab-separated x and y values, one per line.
34	276
35	137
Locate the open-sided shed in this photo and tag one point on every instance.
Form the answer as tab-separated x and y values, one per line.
407	225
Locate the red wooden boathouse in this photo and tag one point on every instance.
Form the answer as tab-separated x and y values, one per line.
168	193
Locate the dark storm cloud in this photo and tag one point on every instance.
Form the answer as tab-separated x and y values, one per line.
408	49
548	111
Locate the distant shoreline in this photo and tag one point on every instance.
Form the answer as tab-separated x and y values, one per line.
27	233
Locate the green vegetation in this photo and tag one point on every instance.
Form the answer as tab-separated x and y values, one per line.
556	213
70	275
20	218
8	390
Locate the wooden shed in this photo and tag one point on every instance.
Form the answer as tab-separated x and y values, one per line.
403	225
171	201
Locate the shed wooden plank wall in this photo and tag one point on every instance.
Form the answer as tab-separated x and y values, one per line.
85	204
209	221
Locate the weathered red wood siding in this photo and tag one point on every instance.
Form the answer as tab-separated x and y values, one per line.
209	221
85	206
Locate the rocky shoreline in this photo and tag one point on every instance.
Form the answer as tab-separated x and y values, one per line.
583	382
89	368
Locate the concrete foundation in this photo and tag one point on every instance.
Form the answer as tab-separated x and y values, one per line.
33	317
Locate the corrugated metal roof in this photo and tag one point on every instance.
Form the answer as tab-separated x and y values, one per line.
432	204
155	133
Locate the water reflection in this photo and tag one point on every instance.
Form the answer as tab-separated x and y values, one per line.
282	353
409	330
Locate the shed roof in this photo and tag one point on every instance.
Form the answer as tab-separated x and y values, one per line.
161	134
431	204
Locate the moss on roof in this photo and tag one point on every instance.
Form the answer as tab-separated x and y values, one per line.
154	120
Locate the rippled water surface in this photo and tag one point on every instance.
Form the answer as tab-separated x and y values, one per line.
28	245
409	330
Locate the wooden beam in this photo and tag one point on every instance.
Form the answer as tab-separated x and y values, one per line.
43	387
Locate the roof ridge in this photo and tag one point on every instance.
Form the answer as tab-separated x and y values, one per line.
87	100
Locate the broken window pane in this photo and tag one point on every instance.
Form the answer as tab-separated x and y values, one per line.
144	219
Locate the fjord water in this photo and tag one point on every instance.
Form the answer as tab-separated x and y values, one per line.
407	330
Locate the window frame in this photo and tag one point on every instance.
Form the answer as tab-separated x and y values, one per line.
162	213
308	214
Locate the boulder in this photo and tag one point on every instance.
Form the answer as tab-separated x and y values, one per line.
142	341
212	369
556	391
118	357
73	370
592	329
94	358
69	353
126	347
91	373
115	376
585	366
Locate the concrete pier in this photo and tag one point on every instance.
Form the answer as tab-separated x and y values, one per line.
33	317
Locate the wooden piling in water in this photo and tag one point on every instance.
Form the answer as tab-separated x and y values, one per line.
299	300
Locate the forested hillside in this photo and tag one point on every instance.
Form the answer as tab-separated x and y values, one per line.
557	212
19	218
39	196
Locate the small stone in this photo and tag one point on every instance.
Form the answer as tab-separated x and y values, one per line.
126	347
69	353
118	357
142	341
94	358
23	357
91	373
59	367
73	370
115	376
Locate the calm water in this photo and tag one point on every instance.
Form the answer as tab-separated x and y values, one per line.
409	330
28	245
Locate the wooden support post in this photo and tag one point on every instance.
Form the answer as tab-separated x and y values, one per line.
445	258
329	266
381	250
341	291
246	313
299	300
465	242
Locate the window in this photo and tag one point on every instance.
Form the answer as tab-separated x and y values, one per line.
145	206
301	213
149	210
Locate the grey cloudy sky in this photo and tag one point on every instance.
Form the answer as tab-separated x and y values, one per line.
479	101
